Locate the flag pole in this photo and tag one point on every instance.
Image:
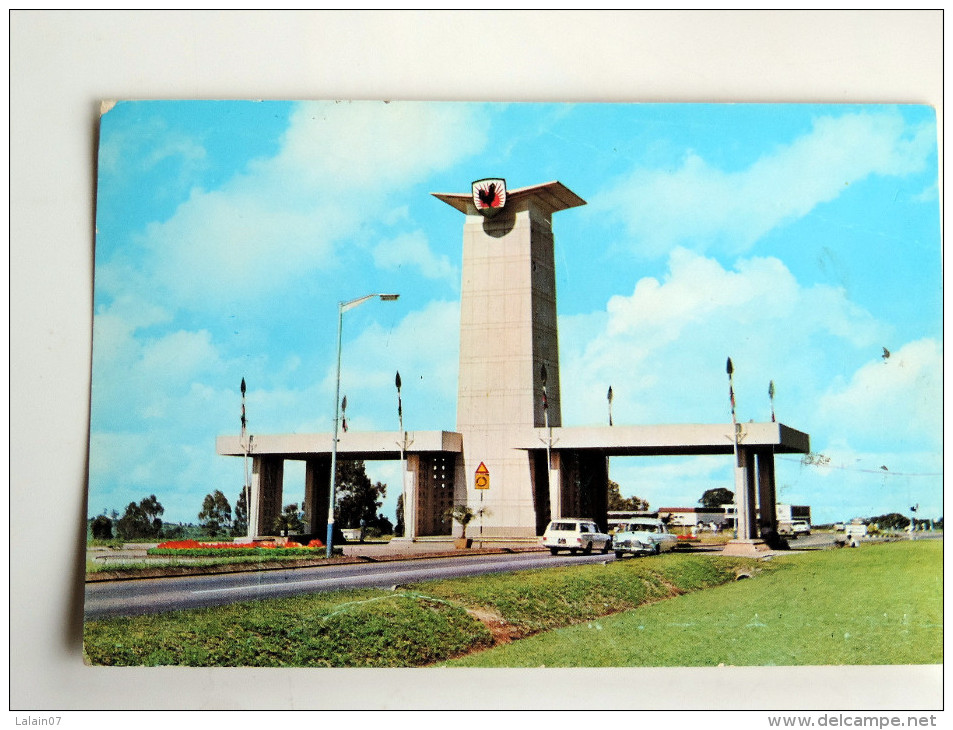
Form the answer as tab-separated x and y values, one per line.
408	512
549	435
742	521
248	524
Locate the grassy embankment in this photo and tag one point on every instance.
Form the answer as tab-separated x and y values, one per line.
793	601
880	604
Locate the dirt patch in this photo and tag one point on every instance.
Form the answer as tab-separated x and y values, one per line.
673	590
501	631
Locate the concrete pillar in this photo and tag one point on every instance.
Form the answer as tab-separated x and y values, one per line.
266	492
745	495
767	493
594	487
508	335
747	542
410	480
437	491
317	483
748	467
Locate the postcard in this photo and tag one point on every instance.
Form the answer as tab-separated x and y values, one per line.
443	384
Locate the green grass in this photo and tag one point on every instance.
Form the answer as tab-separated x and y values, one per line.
537	600
423	624
346	628
880	604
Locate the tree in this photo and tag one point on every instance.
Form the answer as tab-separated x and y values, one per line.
141	520
399	527
216	513
618	503
892	521
240	524
290	521
357	499
714	498
381	526
102	528
464	514
173	531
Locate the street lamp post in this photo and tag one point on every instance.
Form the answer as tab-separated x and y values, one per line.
342	308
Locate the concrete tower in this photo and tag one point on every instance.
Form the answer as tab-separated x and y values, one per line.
508	334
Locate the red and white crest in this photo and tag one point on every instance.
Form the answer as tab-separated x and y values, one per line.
489	195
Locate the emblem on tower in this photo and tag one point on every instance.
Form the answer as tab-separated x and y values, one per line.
489	195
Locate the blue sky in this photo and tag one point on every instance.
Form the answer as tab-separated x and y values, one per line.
800	240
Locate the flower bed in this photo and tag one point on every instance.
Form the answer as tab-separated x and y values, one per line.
194	548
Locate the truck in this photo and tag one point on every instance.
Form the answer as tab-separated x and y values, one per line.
853	534
793	520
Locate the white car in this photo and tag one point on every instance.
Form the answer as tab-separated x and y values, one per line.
643	536
801	527
575	534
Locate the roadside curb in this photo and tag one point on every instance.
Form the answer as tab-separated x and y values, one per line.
183	570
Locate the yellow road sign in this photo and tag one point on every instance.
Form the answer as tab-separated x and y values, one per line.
482	477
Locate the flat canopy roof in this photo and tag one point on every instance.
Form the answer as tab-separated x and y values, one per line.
670	439
654	440
367	445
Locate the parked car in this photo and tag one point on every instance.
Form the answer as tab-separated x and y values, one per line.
838	527
575	534
643	536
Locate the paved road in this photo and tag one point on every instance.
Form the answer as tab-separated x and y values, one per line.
131	597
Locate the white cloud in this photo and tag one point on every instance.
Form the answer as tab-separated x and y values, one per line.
413	249
375	145
424	347
663	349
706	206
140	377
285	215
156	143
897	401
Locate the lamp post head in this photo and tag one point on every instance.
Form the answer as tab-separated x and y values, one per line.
345	306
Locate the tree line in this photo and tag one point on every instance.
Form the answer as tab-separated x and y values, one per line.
357	505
